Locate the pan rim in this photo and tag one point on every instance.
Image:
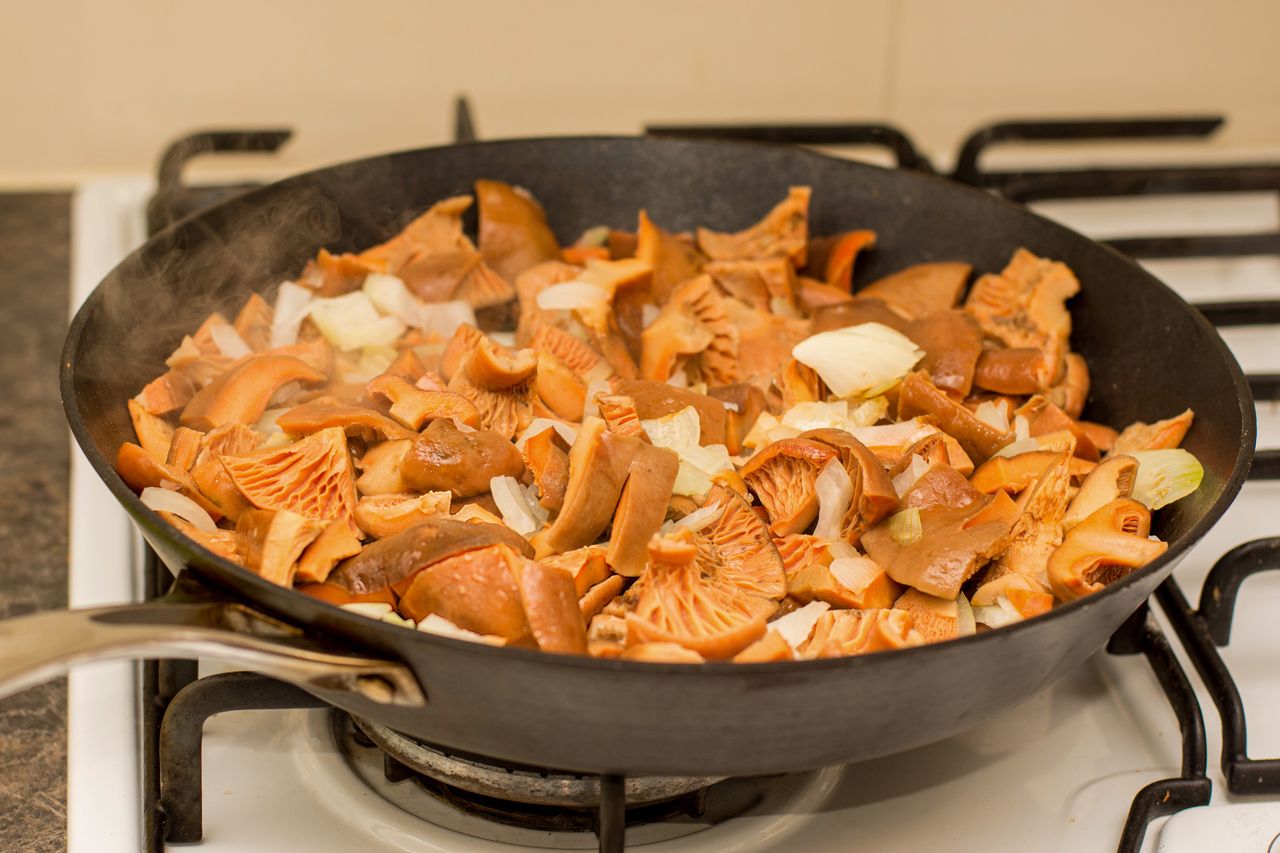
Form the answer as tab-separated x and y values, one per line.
306	608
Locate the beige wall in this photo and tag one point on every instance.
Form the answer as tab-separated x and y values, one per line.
92	87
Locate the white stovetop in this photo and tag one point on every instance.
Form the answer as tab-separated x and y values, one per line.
1057	773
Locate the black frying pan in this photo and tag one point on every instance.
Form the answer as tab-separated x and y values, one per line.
1150	353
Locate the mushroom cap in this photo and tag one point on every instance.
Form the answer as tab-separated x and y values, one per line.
838	633
513	230
312	477
1105	547
746	555
783	476
782	233
922	289
447	458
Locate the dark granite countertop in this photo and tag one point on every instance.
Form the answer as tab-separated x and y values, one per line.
34	458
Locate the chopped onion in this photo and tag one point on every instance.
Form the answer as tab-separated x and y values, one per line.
292	301
434	623
993	415
1014	448
594	237
901	434
678	378
857	359
1165	476
371	609
537	425
164	500
276	439
648	314
996	615
680	431
228	341
517	509
351	322
730	406
816	415
1021	428
285	392
835	493
267	423
506	339
700	518
573	296
797	625
905	527
840	548
444	318
676	430
965	620
589	407
855	573
459	425
909	475
394	618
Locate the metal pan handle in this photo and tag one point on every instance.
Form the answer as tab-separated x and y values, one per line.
42	646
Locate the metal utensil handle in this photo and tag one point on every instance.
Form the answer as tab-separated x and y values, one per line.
36	648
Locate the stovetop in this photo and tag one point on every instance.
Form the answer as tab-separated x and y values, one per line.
1059	772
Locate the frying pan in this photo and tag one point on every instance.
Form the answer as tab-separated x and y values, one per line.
1151	356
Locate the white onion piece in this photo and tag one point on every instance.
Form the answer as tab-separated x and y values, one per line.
965	620
730	406
394	618
292	301
228	341
427	383
1021	428
842	549
285	392
797	625
444	318
537	425
909	475
573	296
700	518
855	573
678	379
460	426
856	360
267	423
901	434
648	314
352	322
1165	476
164	500
993	415
434	623
835	493
1014	448
370	609
997	615
514	505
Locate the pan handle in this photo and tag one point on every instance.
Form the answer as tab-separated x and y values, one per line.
36	648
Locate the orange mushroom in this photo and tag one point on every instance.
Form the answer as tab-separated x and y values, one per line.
1161	435
335	543
273	540
839	633
547	460
642	506
387	515
782	233
768	284
673	258
312	477
445	458
513	231
917	395
500	385
413	407
241	395
1104	548
874	497
329	413
154	433
783	476
1113	478
920	290
1015	370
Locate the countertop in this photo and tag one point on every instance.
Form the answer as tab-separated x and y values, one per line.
34	459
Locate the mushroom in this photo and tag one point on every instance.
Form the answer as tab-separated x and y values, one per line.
953	545
1045	418
241	395
1038	530
783	476
559	388
500	386
529	284
743	403
466	338
436	231
393	561
475	590
253	323
917	395
833	257
1011	370
1112	478
940	485
662	653
591	602
1026	596
782	233
839	633
1025	306
271	541
952	344
765	339
692	323
599	462
1015	473
681	603
380	468
224	543
747	557
316	353
798	383
513	231
331	593
167	393
922	289
673	258
183	448
386	515
155	434
1102	436
546	458
329	413
844	582
407	366
874	497
816	296
574	353
768	284
586	566
550	603
482	287
447	458
335	543
413	407
936	619
642	506
312	477
798	550
658	399
210	475
769	648
619	412
854	312
1102	549
140	470
1161	435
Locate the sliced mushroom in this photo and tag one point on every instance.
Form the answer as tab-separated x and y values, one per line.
783	476
839	633
594	599
1104	548
619	412
312	477
936	619
529	284
154	433
550	603
211	476
658	399
922	289
184	447
833	257
437	230
940	485
394	560
642	506
466	338
816	297
799	383
1015	473
140	470
845	582
917	395
954	544
315	353
782	233
874	497
407	366
673	258
765	340
482	287
168	393
271	541
692	323
559	388
335	543
1045	418
768	284
328	413
769	648
545	456
952	344
662	653
224	543
586	566
475	590
598	465
386	515
1102	436
743	404
413	407
253	323
855	312
446	458
514	234
1027	596
1025	306
799	550
241	395
573	353
1161	435
438	276
680	603
747	557
500	385
1018	370
380	468
1038	530
1112	478
1072	392
331	593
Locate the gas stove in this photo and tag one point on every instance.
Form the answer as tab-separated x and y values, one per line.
1116	755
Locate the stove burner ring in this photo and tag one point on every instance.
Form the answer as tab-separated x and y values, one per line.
521	784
